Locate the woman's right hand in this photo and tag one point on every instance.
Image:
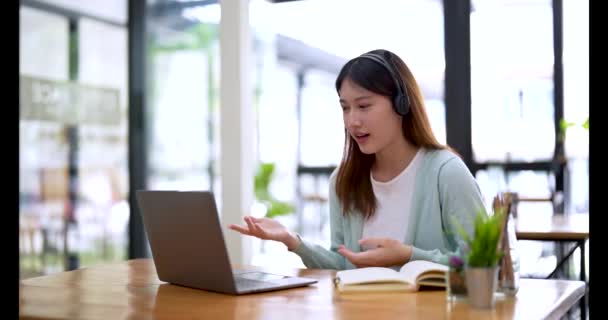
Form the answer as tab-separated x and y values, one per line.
267	229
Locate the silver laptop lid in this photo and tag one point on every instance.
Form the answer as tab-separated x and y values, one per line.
186	239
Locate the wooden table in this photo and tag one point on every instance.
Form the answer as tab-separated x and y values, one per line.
569	227
558	228
573	228
132	290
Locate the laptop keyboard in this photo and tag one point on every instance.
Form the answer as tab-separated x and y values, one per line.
248	284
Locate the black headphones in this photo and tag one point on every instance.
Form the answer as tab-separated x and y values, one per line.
401	101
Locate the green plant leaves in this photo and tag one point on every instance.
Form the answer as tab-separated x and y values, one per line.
563	124
261	187
483	246
586	124
262	180
279	208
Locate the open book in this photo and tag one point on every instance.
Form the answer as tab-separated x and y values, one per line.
409	278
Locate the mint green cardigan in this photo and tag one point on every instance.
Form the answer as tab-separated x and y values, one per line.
444	190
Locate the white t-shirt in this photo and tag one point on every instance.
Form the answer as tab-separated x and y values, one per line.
394	200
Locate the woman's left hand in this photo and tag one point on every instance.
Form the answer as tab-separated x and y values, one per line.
387	252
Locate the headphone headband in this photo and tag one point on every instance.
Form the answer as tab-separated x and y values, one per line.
401	100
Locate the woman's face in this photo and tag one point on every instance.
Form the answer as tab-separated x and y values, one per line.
369	118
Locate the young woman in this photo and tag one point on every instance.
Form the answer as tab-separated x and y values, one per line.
397	191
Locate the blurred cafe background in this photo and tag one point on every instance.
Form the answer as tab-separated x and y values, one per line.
118	95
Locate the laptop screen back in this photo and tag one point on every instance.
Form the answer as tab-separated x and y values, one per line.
186	239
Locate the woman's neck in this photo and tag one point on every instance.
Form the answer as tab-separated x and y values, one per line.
393	159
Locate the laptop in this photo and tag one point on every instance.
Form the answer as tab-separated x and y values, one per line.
188	247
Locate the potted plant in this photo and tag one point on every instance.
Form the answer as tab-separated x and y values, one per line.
456	285
482	257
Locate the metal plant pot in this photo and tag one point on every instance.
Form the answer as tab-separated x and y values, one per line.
481	285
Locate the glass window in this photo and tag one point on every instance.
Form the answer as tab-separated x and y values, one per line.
277	127
43	32
528	184
512	80
576	102
43	152
73	145
104	209
322	136
113	10
183	98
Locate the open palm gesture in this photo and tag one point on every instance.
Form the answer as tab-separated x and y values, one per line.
263	228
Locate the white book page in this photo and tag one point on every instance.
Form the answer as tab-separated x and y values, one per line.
370	275
413	269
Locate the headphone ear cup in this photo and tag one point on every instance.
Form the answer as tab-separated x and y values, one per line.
401	104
